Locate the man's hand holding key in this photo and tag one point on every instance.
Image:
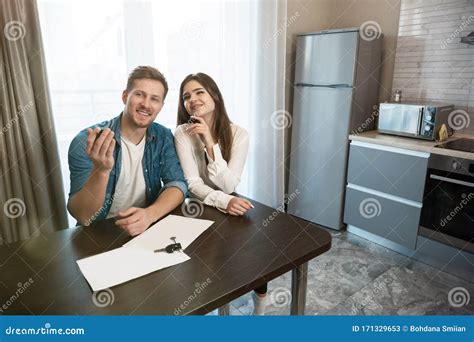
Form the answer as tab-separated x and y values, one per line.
100	148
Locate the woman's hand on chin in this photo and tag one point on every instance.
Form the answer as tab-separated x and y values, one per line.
201	128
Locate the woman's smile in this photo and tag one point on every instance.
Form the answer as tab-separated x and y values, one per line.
196	106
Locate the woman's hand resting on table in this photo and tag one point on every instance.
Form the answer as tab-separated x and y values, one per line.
238	206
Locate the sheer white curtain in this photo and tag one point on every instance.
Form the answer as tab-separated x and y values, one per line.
241	44
268	119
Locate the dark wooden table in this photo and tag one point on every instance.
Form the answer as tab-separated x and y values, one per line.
234	256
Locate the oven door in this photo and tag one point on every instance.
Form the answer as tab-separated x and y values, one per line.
448	209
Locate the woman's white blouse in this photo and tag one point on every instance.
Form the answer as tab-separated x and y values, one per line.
211	182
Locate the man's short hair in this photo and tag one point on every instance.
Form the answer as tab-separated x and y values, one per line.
141	72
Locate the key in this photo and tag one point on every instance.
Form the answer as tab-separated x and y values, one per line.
170	248
159	250
177	246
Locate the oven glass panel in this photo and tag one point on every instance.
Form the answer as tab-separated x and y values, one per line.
448	207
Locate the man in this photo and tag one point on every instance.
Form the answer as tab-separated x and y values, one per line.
117	167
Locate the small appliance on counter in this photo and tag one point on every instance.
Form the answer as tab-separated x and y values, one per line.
416	120
397	97
443	133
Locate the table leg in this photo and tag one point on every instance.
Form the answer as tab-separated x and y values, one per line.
299	280
224	310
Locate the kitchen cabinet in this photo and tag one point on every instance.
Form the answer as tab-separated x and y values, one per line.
392	171
384	191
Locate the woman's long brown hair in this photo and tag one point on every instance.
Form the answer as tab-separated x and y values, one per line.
221	129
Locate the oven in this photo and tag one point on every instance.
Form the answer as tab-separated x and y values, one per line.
448	205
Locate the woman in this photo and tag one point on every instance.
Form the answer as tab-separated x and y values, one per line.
212	152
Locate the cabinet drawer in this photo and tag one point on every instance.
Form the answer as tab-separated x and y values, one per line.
394	219
394	171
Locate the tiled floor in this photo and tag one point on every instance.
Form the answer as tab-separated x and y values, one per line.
358	277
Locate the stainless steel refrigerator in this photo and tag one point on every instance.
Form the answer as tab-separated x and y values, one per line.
336	89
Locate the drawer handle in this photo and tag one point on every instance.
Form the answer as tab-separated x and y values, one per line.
384	195
451	180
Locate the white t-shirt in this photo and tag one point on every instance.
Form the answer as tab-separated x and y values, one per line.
130	188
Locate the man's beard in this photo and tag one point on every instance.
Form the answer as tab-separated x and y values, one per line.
138	124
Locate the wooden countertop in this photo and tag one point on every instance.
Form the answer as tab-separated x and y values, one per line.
375	137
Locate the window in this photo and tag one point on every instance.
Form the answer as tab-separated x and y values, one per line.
91	46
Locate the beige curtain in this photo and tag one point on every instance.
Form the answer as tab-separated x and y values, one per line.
31	190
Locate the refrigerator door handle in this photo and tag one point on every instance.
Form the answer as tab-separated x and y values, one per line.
340	86
305	85
323	86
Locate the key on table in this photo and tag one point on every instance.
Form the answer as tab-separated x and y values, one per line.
174	247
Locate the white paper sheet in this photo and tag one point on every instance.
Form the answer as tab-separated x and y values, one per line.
136	258
123	264
185	229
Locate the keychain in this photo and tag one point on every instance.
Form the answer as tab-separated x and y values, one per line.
174	247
